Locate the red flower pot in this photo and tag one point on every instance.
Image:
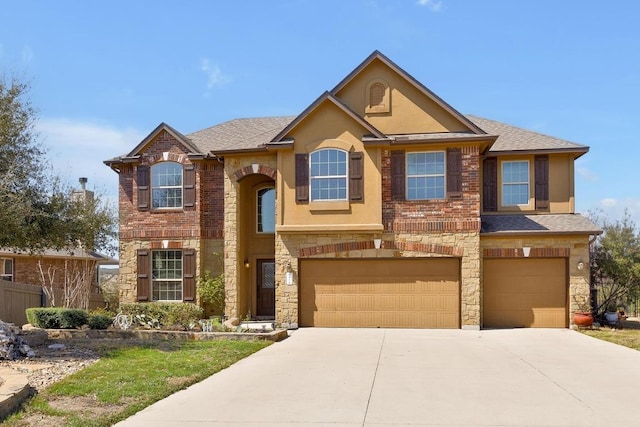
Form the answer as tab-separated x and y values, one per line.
582	319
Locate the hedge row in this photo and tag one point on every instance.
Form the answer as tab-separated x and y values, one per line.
66	318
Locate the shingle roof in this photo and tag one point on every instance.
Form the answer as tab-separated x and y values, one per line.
77	253
239	134
534	224
512	138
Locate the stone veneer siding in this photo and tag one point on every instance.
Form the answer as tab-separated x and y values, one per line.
291	247
575	248
236	168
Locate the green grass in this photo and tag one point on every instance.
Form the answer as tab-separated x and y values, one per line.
628	336
126	380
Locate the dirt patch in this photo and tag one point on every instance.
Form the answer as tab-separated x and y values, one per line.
41	421
178	381
85	405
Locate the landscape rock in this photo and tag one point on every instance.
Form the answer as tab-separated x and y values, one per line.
12	344
231	323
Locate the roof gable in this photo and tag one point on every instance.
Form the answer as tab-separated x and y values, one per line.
328	97
376	58
190	147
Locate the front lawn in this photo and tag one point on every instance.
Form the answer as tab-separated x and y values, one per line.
128	379
628	336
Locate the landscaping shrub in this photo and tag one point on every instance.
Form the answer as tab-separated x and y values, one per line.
56	317
163	314
98	320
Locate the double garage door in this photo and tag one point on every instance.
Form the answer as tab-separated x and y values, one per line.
525	293
425	293
391	293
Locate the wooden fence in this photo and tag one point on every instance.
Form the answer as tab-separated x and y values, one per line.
16	298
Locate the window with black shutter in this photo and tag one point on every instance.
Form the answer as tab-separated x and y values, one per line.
490	184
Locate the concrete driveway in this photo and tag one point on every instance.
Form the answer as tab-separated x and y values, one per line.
384	377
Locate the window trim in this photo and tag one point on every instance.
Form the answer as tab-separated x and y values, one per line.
345	176
154	187
443	175
503	184
2	270
257	211
154	280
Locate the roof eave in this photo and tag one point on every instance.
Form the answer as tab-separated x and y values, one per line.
471	138
222	153
579	150
539	232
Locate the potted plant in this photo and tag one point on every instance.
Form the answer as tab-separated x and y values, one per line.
583	317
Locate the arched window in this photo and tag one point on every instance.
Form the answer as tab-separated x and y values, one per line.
328	173
266	210
166	185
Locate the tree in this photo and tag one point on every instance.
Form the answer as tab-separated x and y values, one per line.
615	264
38	210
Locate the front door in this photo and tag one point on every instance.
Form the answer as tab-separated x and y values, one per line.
266	292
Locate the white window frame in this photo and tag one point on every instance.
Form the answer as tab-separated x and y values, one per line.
3	269
504	184
155	186
319	178
427	175
157	281
258	211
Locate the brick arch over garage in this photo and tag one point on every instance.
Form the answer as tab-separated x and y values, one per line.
255	169
386	244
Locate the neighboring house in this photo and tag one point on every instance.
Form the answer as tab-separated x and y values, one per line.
379	205
23	267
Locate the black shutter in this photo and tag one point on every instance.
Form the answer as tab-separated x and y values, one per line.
189	275
302	178
454	173
189	186
144	264
490	184
356	176
143	187
542	181
397	175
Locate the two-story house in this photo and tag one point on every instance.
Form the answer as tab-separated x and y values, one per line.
379	205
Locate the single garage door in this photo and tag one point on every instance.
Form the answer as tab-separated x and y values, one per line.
395	293
525	292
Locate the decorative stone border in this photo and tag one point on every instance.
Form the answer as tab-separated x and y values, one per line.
13	391
71	334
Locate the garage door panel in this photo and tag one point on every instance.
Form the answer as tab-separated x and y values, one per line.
528	292
380	293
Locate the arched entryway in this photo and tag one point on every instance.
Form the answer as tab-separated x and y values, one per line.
256	237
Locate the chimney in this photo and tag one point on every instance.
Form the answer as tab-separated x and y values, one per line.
82	195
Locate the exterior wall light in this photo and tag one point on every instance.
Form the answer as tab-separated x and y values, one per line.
246	263
377	243
288	279
580	265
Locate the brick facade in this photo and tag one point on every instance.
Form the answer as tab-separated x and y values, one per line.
446	215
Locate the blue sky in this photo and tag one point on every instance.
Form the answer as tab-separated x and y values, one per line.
105	74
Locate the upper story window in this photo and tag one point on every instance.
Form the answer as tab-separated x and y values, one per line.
166	275
515	183
6	269
266	210
426	175
166	185
328	174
